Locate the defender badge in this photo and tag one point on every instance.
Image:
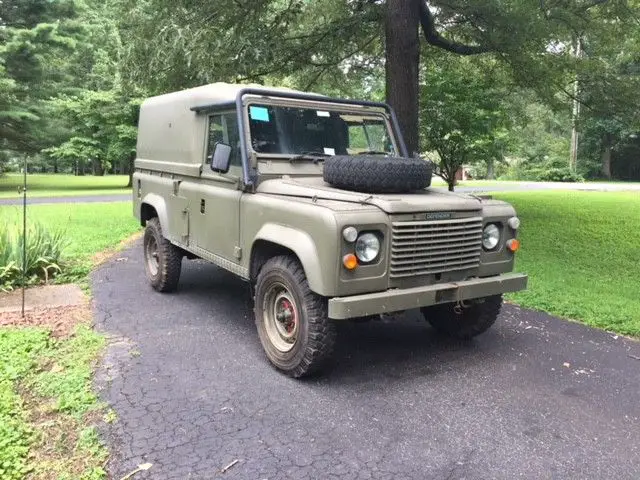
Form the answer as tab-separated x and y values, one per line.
438	215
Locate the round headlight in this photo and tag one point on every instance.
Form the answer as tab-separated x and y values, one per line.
350	234
367	247
514	223
490	236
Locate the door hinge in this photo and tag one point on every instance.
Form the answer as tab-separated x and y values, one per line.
237	252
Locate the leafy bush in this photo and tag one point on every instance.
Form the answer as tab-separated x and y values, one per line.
552	170
556	174
44	250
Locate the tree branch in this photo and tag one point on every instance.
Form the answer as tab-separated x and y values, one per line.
433	37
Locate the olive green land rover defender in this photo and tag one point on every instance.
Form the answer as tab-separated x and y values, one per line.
315	202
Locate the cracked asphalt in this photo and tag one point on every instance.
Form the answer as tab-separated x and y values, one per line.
535	397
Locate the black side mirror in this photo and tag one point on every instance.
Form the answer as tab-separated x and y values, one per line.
221	157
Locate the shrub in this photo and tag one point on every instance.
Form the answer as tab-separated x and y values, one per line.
44	251
551	170
556	174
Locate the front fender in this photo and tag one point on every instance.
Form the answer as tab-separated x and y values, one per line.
305	249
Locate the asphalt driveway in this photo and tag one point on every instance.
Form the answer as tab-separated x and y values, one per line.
535	397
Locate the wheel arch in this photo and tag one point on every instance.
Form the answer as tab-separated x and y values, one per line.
273	240
153	205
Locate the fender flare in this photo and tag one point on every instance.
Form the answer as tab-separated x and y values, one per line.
302	245
160	206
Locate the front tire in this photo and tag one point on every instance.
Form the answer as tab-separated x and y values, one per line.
292	322
466	320
162	259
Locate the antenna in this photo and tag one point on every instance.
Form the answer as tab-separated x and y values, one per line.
24	232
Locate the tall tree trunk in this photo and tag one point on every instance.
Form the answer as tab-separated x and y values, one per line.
402	65
130	168
491	169
573	154
606	159
98	168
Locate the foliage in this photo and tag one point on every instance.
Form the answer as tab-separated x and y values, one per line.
40	374
70	381
36	41
18	353
461	115
43	254
559	174
567	251
90	228
105	129
87	64
60	59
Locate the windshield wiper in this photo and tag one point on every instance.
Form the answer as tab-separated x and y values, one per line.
316	157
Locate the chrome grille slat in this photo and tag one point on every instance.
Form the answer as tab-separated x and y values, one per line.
438	246
435	246
411	241
429	268
423	260
449	268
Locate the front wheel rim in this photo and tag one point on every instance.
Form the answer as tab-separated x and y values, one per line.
151	254
281	317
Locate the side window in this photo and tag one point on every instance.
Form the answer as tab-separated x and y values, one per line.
377	137
223	127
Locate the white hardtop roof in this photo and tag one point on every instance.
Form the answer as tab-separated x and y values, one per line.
209	94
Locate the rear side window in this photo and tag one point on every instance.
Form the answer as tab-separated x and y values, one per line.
223	127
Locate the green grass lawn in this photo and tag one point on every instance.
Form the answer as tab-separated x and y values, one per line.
48	408
64	185
88	227
582	253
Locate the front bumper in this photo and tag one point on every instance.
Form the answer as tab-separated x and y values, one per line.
341	308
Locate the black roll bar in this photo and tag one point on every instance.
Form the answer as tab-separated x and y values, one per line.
249	177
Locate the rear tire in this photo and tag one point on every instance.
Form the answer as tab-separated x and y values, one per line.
474	318
294	328
162	259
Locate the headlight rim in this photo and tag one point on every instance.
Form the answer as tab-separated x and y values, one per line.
495	246
376	257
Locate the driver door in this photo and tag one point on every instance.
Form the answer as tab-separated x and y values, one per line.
215	200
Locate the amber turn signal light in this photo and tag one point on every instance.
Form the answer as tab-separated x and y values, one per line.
513	245
350	261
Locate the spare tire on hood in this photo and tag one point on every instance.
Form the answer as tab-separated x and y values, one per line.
377	174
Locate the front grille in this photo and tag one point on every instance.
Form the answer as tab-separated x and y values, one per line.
428	247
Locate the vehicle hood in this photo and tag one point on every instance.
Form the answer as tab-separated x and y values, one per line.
421	201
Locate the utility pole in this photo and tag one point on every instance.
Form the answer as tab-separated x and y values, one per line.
573	156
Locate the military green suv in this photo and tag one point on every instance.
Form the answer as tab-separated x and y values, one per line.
315	202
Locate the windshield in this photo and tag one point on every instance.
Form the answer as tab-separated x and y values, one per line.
298	131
